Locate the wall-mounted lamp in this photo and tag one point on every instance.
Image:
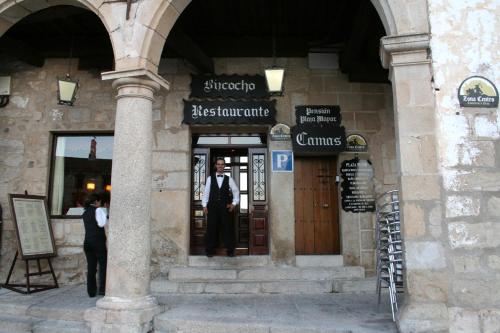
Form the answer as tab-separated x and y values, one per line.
66	90
4	90
108	188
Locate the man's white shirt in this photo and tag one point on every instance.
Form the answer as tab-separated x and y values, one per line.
232	185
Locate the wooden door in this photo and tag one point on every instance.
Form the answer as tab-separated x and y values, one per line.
316	206
257	201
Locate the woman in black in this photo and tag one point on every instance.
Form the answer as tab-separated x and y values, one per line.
94	245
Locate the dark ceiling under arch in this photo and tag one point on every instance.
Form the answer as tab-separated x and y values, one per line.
217	28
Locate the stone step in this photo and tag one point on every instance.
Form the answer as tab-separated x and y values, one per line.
15	324
319	261
61	326
47	312
193	326
356	286
195	274
13	309
226	262
159	287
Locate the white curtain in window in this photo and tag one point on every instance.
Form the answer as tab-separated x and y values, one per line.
58	178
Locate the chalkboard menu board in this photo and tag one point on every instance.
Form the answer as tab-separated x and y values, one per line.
34	232
358	195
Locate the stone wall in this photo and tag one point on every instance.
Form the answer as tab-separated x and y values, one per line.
366	109
25	126
470	161
33	112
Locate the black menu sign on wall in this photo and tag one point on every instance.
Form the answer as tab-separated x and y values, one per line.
229	86
358	193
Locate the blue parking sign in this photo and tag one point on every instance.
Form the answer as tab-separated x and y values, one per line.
282	161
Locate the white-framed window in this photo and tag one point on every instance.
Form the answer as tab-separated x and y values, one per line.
80	164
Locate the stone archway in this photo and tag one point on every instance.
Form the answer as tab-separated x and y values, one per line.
12	11
405	52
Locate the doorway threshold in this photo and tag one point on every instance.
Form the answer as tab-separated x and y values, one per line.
233	262
319	260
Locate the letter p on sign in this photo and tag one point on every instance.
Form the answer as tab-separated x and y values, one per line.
282	161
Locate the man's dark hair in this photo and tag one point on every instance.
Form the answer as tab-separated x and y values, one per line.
220	159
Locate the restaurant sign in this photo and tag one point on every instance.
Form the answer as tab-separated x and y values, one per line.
479	92
318	139
229	86
229	112
318	115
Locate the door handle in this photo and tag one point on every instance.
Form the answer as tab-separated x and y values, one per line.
325	206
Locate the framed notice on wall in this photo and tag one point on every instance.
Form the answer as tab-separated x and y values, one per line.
33	228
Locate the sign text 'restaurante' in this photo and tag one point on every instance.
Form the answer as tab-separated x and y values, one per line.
229	112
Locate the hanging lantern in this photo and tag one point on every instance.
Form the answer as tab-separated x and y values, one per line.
66	90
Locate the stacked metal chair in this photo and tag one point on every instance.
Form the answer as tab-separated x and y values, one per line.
390	263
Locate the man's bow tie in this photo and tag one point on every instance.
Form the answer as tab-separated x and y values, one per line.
220	175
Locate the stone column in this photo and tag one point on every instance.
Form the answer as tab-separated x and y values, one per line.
281	213
128	305
425	308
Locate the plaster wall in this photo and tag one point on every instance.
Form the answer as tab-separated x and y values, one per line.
33	113
465	42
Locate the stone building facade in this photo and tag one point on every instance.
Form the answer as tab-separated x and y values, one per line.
442	157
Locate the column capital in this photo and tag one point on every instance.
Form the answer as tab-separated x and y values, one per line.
137	76
403	50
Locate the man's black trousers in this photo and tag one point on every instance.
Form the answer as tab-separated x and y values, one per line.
219	218
96	253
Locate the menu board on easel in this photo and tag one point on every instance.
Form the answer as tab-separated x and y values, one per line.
34	232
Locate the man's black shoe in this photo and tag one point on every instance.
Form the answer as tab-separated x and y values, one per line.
210	255
230	254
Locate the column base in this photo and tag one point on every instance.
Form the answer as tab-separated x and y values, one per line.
423	318
123	315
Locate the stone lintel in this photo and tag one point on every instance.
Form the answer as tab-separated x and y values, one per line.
403	50
138	73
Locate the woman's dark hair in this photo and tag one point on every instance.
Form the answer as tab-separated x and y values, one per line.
105	197
92	198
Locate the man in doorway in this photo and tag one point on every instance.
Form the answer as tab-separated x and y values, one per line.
220	197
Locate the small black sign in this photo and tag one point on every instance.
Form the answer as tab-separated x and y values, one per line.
280	132
357	186
318	139
356	143
229	86
318	115
479	92
229	112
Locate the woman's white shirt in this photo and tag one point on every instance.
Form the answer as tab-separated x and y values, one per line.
101	215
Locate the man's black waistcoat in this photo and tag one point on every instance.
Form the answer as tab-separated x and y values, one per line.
219	195
92	230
